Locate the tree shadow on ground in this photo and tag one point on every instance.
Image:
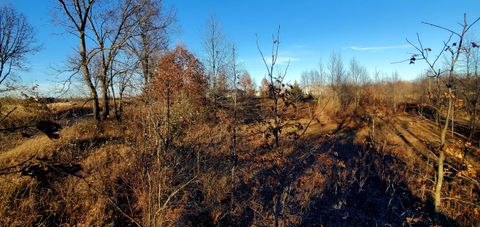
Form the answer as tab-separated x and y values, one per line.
367	191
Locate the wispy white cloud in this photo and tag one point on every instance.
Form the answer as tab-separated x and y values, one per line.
357	48
282	59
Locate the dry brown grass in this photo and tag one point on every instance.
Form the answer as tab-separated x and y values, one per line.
65	200
23	115
334	174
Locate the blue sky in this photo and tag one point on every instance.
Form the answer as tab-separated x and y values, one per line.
374	32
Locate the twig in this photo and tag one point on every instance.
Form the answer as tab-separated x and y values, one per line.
108	199
462	201
88	100
173	194
11	111
464	177
441	27
14	166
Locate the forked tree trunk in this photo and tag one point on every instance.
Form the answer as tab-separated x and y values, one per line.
87	78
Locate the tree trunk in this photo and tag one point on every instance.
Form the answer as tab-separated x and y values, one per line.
96	104
145	59
234	146
87	78
115	106
441	157
120	106
145	71
449	112
276	132
106	103
438	185
453	120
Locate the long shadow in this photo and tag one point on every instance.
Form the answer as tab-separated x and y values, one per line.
367	191
341	124
268	184
410	144
382	198
450	160
251	111
460	127
80	149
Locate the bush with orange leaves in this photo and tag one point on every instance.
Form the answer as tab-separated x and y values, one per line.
175	101
177	91
179	75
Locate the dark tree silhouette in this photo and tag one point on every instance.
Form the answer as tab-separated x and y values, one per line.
16	41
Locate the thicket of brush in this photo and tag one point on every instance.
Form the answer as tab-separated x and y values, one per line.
155	170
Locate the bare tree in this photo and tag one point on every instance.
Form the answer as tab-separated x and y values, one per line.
453	50
393	85
121	78
277	93
217	52
77	13
151	37
280	126
336	75
305	79
235	79
311	81
275	86
319	80
358	75
16	41
111	26
470	85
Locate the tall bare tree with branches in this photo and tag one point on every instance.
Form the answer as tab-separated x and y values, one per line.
112	26
275	86
151	37
217	54
358	75
452	49
336	75
78	13
277	93
16	41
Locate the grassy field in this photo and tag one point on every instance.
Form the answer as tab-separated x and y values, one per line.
338	172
